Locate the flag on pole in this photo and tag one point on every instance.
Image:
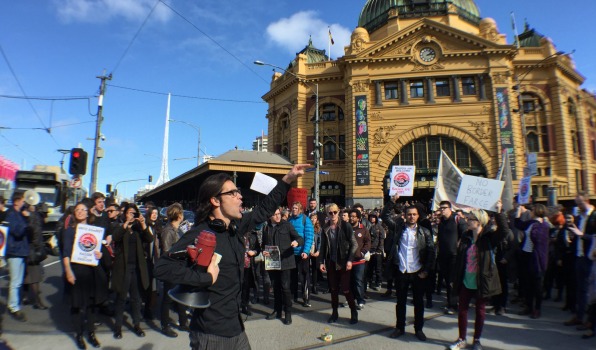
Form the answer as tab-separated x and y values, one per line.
331	37
449	179
505	176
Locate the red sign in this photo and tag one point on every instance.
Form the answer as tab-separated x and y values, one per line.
298	195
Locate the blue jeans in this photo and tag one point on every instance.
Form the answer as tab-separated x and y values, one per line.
16	269
358	282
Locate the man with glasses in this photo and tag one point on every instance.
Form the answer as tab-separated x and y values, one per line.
220	212
451	228
411	258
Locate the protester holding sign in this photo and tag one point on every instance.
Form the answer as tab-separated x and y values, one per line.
87	284
476	270
282	235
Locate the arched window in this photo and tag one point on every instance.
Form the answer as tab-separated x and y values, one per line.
329	148
537	138
425	153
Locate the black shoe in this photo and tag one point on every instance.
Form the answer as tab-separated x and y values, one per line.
397	333
40	306
333	318
138	331
93	340
288	319
80	342
354	316
306	304
420	335
366	297
246	311
168	332
273	315
118	334
19	316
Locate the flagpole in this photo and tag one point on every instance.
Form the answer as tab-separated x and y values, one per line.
329	41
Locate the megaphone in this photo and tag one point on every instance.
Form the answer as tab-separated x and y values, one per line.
191	297
31	197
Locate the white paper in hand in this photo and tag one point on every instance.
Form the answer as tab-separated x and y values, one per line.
263	183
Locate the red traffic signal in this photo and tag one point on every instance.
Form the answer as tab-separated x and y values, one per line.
78	162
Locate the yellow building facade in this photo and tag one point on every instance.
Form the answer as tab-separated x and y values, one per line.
421	76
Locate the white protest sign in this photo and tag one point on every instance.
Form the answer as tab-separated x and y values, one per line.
402	180
263	183
525	190
3	239
532	164
87	241
479	192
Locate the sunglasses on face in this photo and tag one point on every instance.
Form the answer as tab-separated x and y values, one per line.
333	212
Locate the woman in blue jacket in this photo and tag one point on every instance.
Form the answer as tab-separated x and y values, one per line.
301	274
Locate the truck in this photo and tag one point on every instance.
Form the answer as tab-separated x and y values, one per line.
53	186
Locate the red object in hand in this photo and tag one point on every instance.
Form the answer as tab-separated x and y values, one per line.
202	252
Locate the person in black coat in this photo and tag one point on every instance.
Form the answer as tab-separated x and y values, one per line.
252	249
220	211
283	235
338	248
87	285
409	269
129	273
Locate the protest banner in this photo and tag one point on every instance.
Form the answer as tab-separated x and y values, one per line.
273	259
3	239
87	241
448	180
402	180
525	190
504	175
480	192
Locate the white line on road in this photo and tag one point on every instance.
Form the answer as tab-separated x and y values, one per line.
46	265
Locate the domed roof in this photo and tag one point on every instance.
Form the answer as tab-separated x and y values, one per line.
374	14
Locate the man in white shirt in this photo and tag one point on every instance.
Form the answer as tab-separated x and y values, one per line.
412	258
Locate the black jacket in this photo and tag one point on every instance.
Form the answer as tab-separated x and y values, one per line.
488	276
450	232
282	236
377	238
222	318
346	244
426	245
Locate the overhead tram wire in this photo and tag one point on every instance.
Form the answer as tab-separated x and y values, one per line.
12	71
55	98
183	96
214	41
20	149
134	38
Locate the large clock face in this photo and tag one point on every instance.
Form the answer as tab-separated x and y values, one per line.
427	54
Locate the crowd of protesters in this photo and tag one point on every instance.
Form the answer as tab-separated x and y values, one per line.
473	254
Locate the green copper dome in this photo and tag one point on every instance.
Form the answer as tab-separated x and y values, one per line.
374	14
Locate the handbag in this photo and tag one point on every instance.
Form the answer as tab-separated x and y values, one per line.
38	256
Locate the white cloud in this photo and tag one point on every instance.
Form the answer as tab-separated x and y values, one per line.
104	10
292	33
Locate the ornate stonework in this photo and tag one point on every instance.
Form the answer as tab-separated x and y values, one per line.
499	78
376	115
421	67
294	105
381	135
360	85
482	129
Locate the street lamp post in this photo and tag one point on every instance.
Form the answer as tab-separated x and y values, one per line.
316	151
552	195
198	129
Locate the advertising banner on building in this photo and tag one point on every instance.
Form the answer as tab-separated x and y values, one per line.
362	154
505	129
402	180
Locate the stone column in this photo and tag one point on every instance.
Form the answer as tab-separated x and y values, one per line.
430	91
378	99
481	87
456	92
403	89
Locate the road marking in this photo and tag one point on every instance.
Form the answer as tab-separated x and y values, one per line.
361	335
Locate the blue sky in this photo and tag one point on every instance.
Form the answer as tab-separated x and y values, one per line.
57	48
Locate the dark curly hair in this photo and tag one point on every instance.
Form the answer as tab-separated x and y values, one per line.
210	188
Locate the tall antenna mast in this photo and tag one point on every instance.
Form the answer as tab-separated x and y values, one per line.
163	174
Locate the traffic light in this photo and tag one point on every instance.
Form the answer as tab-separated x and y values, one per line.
150	179
78	162
109	188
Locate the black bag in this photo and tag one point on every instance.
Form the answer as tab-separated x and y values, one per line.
37	256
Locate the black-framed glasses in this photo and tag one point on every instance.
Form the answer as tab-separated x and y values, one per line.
234	193
472	218
333	212
111	210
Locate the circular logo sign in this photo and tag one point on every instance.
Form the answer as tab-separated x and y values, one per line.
524	189
401	179
87	242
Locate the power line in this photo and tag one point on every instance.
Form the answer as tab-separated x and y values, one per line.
49	98
135	37
214	41
184	96
20	149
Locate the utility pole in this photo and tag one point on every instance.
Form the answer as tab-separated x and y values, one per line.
96	148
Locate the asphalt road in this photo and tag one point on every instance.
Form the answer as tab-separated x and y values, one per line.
52	329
